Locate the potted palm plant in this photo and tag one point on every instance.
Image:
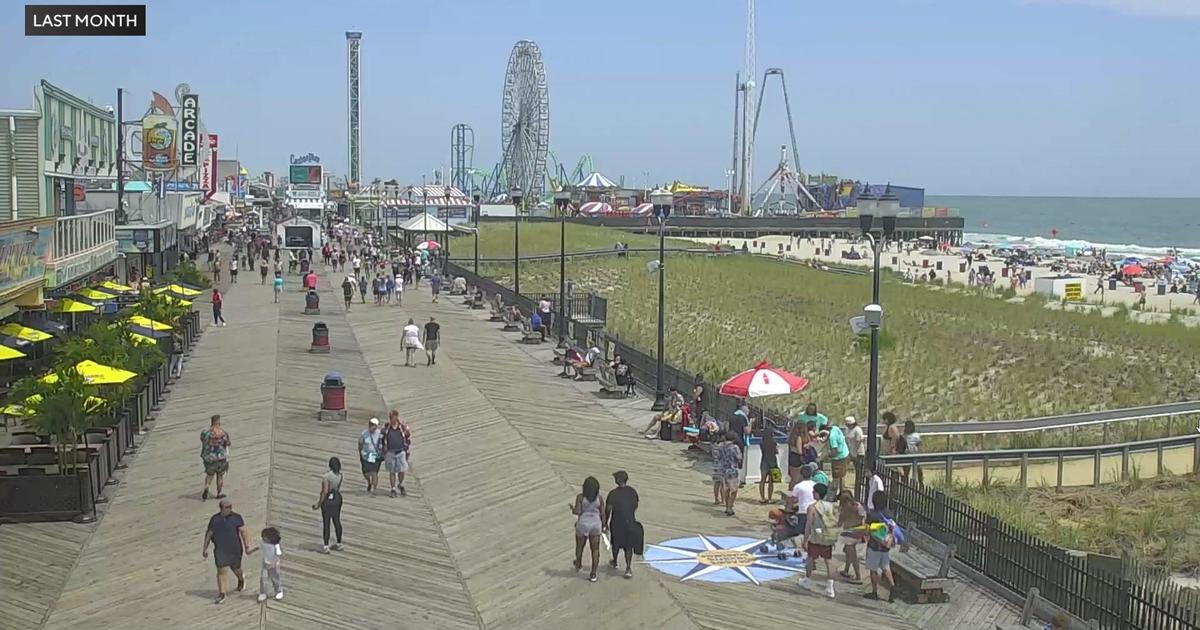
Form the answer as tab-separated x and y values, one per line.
62	409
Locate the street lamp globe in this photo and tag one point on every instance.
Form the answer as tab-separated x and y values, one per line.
515	194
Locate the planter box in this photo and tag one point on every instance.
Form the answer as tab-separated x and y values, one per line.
46	497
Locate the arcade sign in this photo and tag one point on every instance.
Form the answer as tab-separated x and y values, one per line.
189	138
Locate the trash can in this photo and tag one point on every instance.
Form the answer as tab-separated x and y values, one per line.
333	392
304	265
1112	284
320	339
1162	289
962	267
939	265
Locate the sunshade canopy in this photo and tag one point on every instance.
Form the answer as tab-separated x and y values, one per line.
146	322
143	340
96	374
91	403
109	285
67	305
8	354
93	294
24	332
148	332
178	288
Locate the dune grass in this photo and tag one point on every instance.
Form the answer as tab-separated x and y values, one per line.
951	356
1153	520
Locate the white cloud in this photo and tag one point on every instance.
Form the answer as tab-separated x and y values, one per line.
1170	8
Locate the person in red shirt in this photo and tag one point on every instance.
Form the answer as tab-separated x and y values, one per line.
217	302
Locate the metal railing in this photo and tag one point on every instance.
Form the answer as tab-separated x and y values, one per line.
1018	561
1024	459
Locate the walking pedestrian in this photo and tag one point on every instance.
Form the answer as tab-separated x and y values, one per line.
589	507
620	517
348	290
233	270
214	452
879	559
362	287
262	271
850	516
278	285
727	467
227	534
330	504
820	534
411	340
433	339
399	289
218	303
435	285
856	442
271	552
370	450
769	472
397	442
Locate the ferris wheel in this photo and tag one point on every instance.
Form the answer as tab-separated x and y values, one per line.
525	123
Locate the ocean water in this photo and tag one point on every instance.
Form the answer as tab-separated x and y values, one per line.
1133	226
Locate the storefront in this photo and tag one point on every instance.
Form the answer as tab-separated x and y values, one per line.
24	249
150	250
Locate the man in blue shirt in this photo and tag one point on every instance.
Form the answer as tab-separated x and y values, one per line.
535	324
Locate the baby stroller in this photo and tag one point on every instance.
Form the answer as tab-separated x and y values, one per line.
786	526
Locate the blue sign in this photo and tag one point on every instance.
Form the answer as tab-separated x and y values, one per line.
177	186
305	159
726	559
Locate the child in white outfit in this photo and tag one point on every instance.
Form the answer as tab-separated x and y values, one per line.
271	554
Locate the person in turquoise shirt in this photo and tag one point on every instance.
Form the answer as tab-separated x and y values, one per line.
819	477
811	415
278	284
839	455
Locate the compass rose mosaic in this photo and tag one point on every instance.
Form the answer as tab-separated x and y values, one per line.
721	559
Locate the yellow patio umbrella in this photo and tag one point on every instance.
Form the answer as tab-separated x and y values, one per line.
93	294
146	322
178	300
178	288
8	354
91	403
109	285
14	329
96	374
67	305
143	339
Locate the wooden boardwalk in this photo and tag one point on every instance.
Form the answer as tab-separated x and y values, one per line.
483	540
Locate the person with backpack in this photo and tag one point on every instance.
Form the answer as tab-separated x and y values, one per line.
397	439
881	538
330	504
820	534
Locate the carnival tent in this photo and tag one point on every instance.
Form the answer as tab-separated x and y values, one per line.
595	208
425	223
596	180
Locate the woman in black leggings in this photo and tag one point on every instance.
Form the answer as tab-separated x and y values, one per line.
330	504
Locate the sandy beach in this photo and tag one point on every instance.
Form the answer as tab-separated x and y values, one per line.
955	270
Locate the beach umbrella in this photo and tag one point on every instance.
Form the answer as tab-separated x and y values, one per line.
24	332
1130	260
1128	270
48	326
143	340
762	380
96	374
146	322
429	245
91	403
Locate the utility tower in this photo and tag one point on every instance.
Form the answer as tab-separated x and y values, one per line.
353	42
462	154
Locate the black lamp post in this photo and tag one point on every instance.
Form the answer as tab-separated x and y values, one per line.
873	314
515	194
562	199
662	200
475	198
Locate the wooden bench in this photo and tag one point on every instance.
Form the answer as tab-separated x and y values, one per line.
1039	608
560	354
528	334
608	382
476	302
590	372
922	569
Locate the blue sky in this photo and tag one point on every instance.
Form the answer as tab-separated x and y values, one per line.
1033	97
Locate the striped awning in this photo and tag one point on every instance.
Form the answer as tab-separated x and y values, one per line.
596	180
643	210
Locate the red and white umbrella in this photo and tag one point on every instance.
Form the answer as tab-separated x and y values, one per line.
763	380
429	245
